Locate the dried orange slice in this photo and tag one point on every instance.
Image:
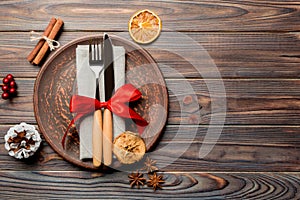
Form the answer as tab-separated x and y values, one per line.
144	26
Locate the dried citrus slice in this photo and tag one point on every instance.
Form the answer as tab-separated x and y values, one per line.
144	26
129	147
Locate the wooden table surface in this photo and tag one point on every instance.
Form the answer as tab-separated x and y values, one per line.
255	46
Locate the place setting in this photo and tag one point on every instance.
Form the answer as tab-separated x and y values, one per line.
149	99
98	99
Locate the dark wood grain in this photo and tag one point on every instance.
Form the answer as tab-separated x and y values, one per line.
254	44
83	185
249	102
236	55
238	149
201	16
235	158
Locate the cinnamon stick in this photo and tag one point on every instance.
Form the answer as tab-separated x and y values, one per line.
41	42
39	57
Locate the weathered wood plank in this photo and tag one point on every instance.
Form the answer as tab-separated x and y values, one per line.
256	102
236	55
19	108
85	185
176	15
254	44
240	135
237	149
228	157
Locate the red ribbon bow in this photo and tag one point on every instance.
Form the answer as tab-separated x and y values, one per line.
83	106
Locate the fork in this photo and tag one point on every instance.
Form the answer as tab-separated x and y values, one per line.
96	65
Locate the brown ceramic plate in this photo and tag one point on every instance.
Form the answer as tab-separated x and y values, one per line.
54	88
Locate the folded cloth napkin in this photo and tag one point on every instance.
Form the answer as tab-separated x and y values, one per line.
86	84
87	87
119	72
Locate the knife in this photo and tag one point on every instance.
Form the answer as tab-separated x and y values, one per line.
109	88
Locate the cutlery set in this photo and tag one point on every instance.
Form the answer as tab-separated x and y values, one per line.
100	71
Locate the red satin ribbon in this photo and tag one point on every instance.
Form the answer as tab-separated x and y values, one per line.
83	106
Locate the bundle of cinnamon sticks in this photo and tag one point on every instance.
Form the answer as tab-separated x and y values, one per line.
41	49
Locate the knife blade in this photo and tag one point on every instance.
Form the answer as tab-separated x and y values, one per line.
109	88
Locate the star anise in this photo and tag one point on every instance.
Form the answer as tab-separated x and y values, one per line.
136	179
150	165
155	181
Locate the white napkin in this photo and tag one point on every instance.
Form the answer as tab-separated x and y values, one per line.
86	84
86	77
119	72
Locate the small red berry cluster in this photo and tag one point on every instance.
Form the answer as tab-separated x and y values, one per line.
9	87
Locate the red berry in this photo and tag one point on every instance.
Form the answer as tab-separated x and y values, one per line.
12	84
5	88
5	95
9	77
12	91
6	80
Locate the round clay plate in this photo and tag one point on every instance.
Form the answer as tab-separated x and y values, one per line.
54	87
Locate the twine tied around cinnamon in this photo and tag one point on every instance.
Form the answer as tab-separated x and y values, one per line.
53	44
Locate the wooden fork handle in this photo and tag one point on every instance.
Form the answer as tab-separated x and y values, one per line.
97	138
107	137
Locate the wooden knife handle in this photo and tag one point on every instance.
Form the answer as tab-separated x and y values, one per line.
107	137
97	138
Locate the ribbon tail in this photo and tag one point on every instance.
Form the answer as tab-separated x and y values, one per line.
140	122
140	129
137	118
77	117
66	133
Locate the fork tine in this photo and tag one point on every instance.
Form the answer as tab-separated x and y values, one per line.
90	53
102	52
95	54
95	51
98	54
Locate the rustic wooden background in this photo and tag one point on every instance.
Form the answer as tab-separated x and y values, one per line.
255	45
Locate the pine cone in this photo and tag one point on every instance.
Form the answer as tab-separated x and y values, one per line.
22	141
